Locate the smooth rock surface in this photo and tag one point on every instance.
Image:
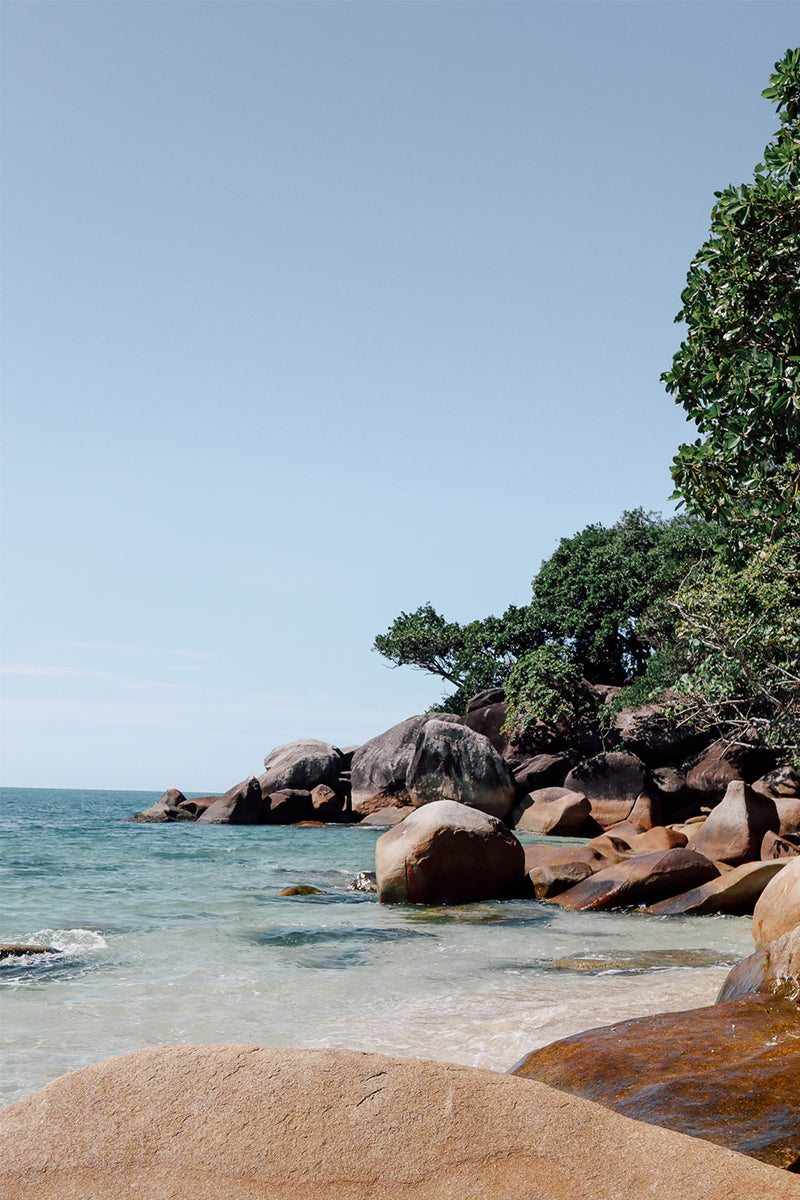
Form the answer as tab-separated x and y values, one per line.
778	908
302	764
166	808
734	830
735	892
773	970
242	804
713	769
250	1123
555	810
728	1073
643	879
448	853
612	783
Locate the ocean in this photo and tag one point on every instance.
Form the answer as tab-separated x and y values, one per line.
177	933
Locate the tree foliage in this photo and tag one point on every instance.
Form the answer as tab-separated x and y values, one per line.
546	686
737	373
592	599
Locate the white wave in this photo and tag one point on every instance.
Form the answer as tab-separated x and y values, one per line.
68	941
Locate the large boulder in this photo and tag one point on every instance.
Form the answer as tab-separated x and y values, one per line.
242	804
379	768
783	782
167	808
727	1073
710	771
612	783
643	879
651	734
734	830
489	718
734	892
252	1123
778	908
288	806
774	970
555	810
541	771
448	853
302	764
453	762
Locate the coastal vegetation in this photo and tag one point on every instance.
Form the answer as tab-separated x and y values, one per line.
699	612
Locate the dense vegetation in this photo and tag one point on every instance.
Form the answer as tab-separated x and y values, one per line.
701	611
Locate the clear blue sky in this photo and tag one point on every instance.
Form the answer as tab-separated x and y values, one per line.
314	312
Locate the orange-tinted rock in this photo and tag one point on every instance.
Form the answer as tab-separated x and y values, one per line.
734	892
11	950
553	856
782	782
555	810
774	846
728	1073
612	848
788	809
551	881
325	802
773	970
711	771
778	909
658	838
734	830
643	879
251	1123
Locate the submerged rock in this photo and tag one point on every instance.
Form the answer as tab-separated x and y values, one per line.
10	950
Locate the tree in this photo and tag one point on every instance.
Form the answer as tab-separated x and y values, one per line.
595	600
737	373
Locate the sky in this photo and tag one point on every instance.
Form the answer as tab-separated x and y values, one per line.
316	312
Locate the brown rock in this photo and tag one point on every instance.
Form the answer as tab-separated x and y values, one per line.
541	771
735	892
384	818
643	879
251	1123
713	769
658	838
552	856
727	1073
11	950
773	970
302	889
678	801
735	829
289	806
198	804
488	720
554	810
242	804
612	783
448	853
170	807
364	881
774	846
379	768
788	809
611	848
783	782
453	762
652	735
301	765
325	802
551	881
778	909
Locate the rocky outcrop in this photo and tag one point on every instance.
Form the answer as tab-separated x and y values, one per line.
167	808
241	805
379	768
734	892
250	1123
643	879
612	783
652	735
541	771
453	762
727	1073
774	970
301	765
448	853
710	771
734	830
778	909
554	810
288	806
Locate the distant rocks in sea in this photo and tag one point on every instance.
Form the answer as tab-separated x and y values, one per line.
675	820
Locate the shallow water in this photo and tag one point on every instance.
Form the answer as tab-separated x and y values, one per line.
176	933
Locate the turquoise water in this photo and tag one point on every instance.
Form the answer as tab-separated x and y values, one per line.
177	933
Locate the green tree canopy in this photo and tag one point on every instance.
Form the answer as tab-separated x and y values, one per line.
737	373
595	600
